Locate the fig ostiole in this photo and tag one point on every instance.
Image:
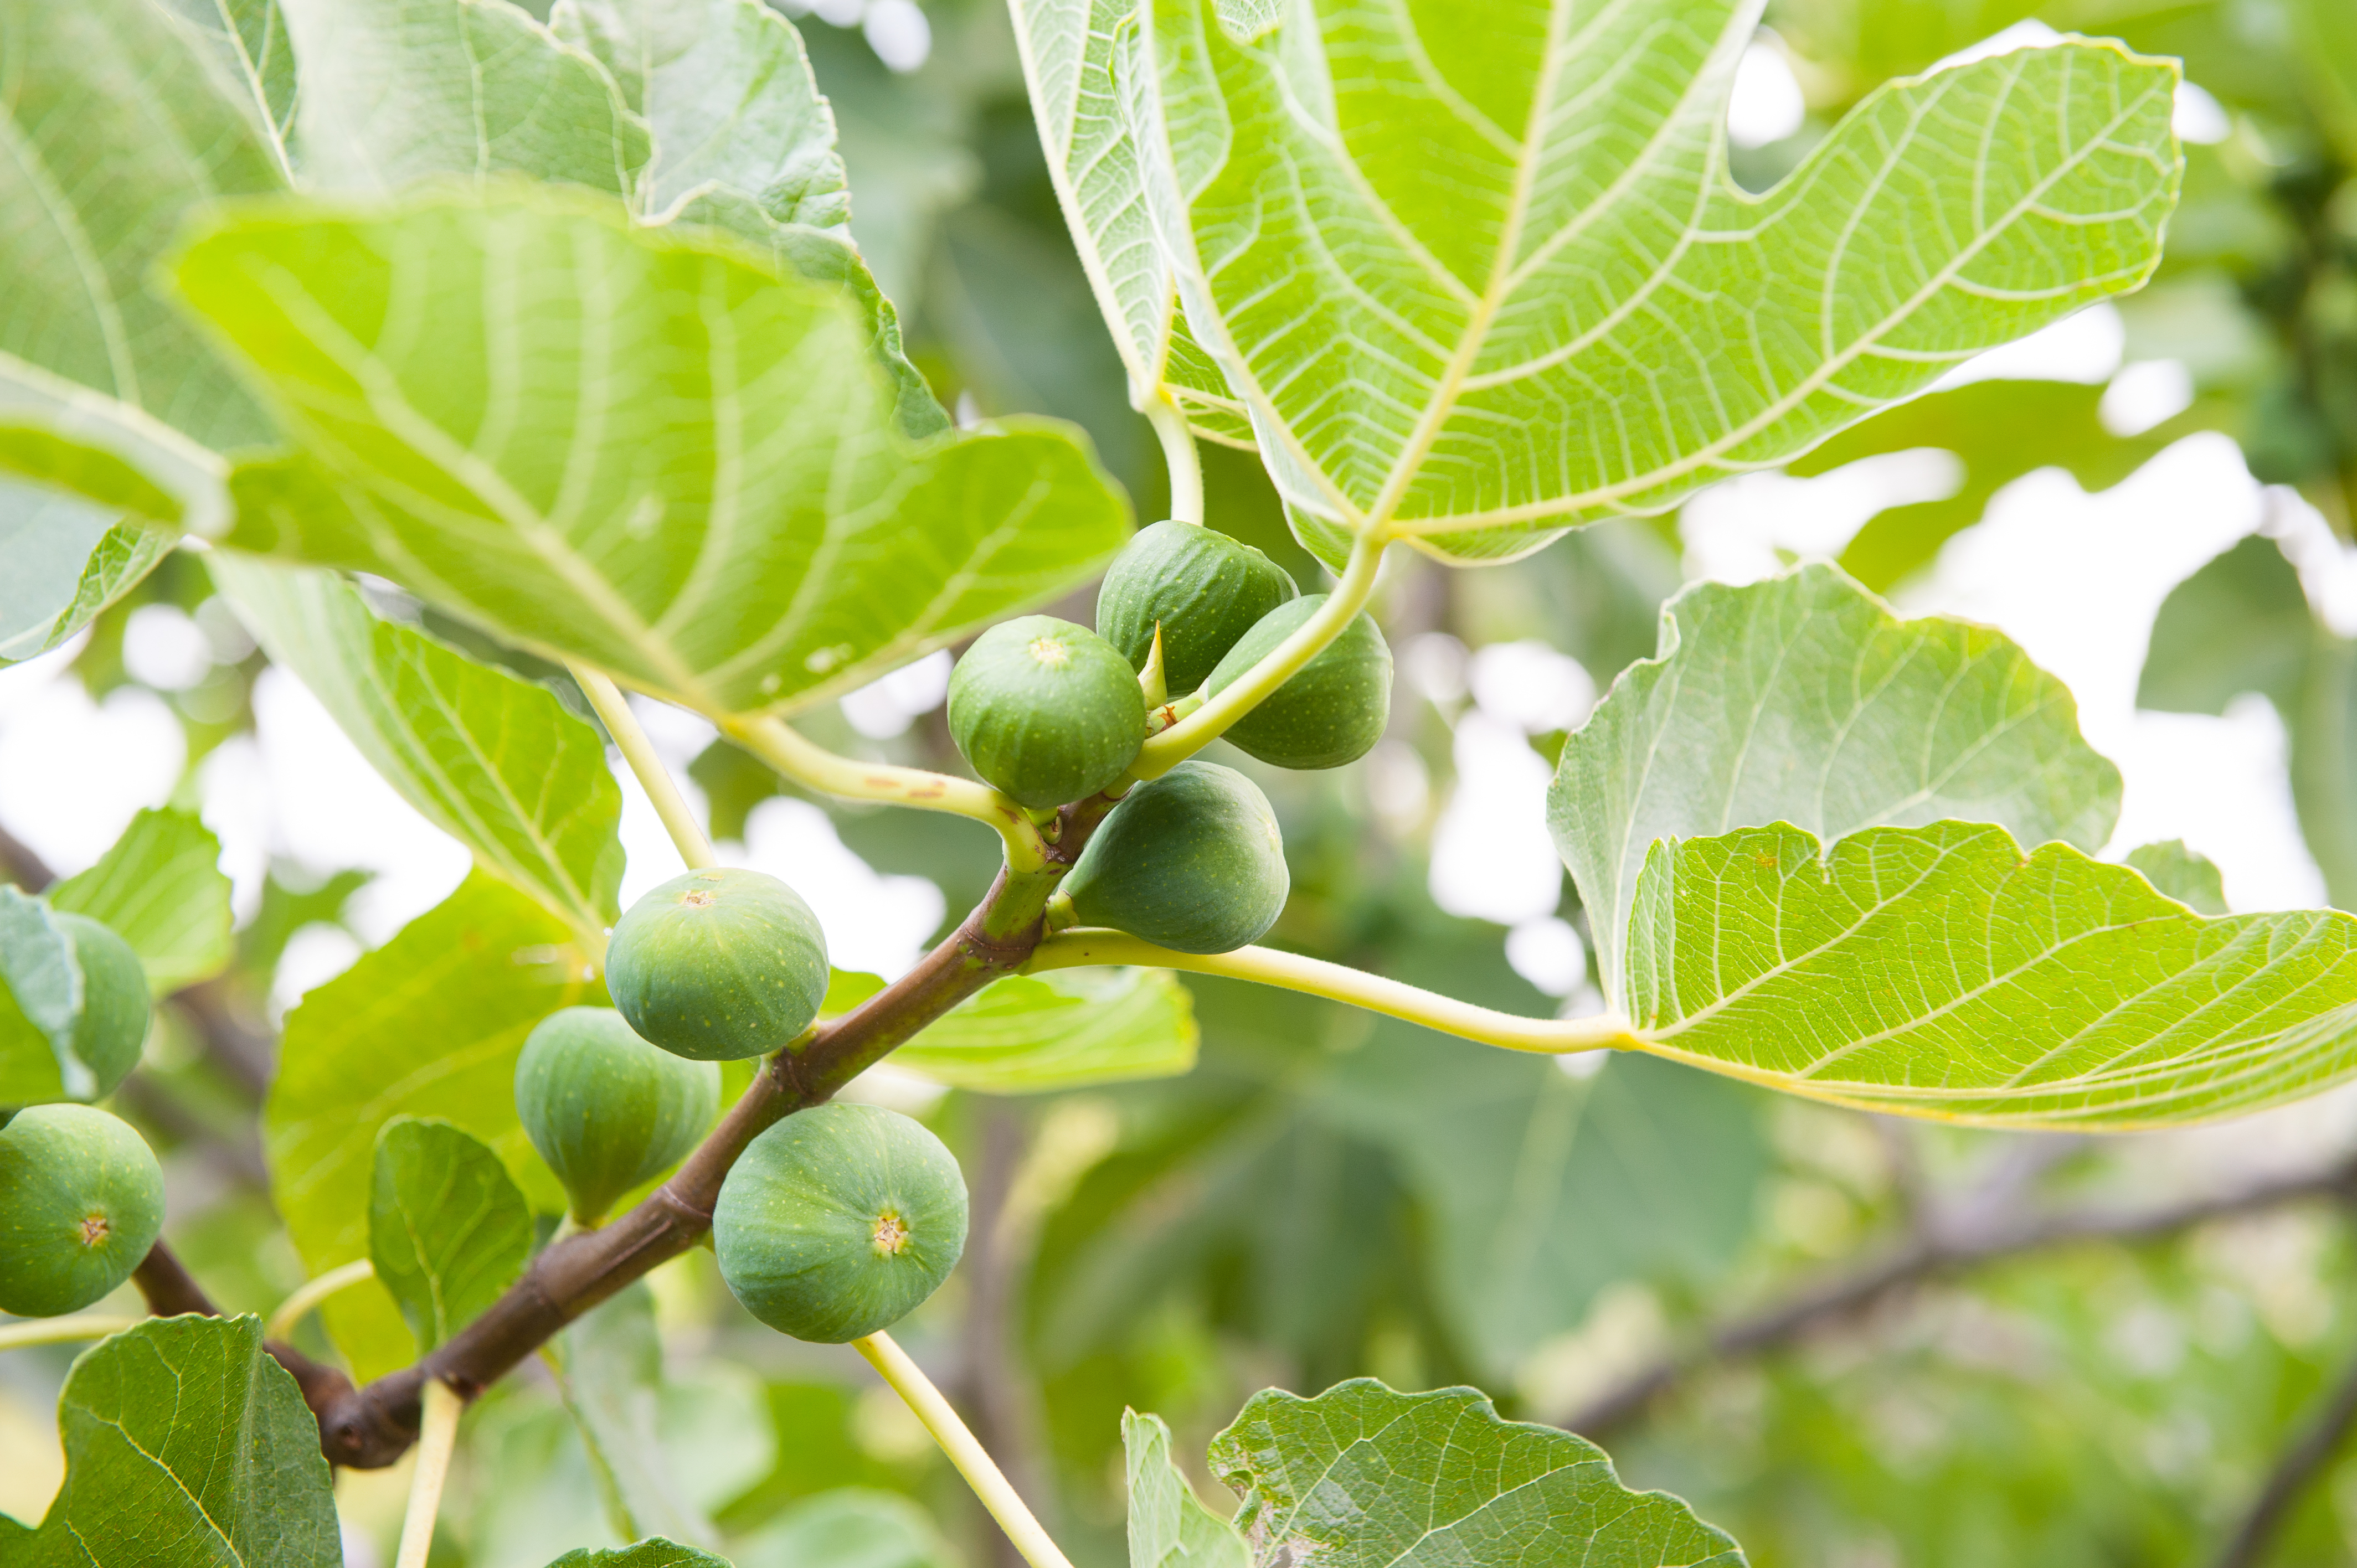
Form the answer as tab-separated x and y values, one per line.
1193	861
1331	711
81	1200
839	1221
605	1109
1046	712
1204	590
718	964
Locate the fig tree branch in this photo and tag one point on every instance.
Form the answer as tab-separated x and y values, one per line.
1934	1249
1166	750
1083	946
2298	1465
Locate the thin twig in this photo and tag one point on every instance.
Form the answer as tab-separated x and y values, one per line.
2296	1467
1933	1251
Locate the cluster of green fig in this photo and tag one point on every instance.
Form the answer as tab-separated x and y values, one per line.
81	1196
1048	713
833	1224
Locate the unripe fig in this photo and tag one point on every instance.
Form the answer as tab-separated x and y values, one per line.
607	1109
114	1001
718	964
1334	708
1191	861
839	1221
1047	712
82	1200
1204	589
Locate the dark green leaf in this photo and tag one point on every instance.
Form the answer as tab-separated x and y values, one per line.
653	1554
188	1445
449	1228
160	888
429	1025
1362	1477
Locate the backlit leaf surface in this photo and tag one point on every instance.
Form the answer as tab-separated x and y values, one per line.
627	446
161	889
1479	273
1030	1033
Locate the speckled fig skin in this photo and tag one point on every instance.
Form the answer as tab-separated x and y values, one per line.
1046	712
82	1200
840	1220
1193	861
718	964
605	1109
1334	708
1204	589
114	1008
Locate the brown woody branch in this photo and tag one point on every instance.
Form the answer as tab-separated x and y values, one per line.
1934	1250
372	1426
2299	1465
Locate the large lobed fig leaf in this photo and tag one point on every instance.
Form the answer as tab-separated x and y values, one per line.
1479	273
1845	856
627	446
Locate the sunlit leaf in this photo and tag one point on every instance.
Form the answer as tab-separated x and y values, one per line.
41	1003
671	463
428	1025
1941	972
186	1442
1480	272
1362	1477
1028	1035
160	888
1167	1528
496	762
246	41
1806	701
2178	873
67	561
449	1228
727	91
1075	54
848	1527
398	90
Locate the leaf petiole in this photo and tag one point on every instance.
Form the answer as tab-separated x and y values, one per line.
1291	972
312	1291
1166	750
1178	455
972	1461
783	747
64	1330
678	819
438	1435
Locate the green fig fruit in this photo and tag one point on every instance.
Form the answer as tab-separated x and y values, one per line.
607	1109
82	1200
115	1006
1334	708
1191	861
718	964
1204	589
839	1221
1047	712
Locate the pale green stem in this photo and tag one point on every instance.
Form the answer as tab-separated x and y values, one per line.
678	819
1178	455
311	1293
64	1330
972	1462
437	1437
1166	750
782	747
1291	972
